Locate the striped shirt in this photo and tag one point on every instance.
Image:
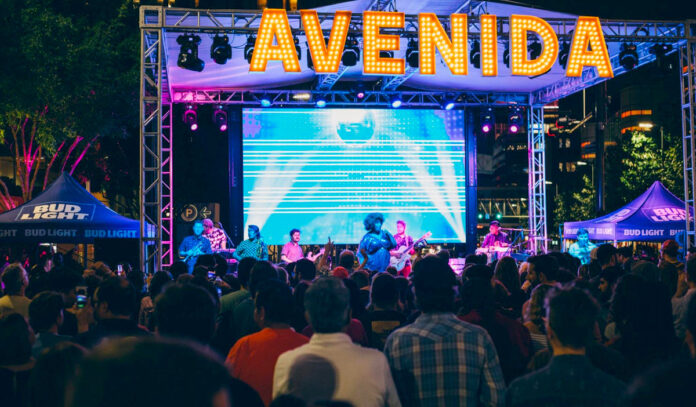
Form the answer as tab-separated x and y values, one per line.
442	361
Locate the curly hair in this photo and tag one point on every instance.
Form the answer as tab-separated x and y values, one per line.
370	220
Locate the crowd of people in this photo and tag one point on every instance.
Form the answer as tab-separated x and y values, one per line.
549	331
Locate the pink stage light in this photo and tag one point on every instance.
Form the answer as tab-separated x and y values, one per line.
514	128
194	126
486	128
223	127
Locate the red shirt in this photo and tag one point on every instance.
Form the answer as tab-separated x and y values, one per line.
253	358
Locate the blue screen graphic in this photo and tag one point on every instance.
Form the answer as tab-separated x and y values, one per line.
323	170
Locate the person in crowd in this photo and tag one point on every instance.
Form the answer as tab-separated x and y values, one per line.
512	341
16	362
53	374
668	384
680	301
607	283
643	315
330	366
690	323
178	268
534	318
45	316
65	282
185	311
229	301
542	269
669	254
506	274
15	280
243	314
194	246
340	272
582	248
114	305
607	255
383	316
38	275
377	242
624	257
147	305
438	359
129	372
253	246
347	260
569	379
253	357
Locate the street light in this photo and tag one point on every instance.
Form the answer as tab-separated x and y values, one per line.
645	125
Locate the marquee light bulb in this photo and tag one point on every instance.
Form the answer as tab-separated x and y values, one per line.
326	60
274	24
374	42
519	61
432	35
588	32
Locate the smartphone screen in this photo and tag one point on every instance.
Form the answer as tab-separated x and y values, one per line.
81	301
211	275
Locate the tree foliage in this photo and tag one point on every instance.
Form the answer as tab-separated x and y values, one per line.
575	205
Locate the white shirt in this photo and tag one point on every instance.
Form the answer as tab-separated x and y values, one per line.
679	308
362	375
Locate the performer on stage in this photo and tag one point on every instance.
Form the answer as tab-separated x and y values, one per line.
402	240
252	247
217	237
582	248
194	246
292	251
496	238
376	243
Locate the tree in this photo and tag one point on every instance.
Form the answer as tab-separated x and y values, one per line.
72	80
575	206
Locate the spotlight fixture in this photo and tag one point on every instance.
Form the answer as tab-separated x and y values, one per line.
359	90
249	48
395	101
506	55
515	119
563	54
412	53
475	54
220	118
487	120
188	53
266	101
351	52
320	101
191	117
448	102
534	50
221	50
628	57
305	96
660	50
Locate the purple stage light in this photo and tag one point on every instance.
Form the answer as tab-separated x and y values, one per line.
194	126
360	95
486	128
223	127
514	128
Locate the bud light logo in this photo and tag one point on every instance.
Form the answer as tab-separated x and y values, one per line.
618	216
665	214
57	211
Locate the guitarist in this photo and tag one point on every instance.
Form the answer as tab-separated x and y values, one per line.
402	240
194	246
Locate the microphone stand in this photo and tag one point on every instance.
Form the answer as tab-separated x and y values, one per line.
219	226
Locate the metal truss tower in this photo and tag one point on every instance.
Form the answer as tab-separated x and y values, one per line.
687	73
537	179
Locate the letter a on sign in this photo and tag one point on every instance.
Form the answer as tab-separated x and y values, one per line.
274	24
588	32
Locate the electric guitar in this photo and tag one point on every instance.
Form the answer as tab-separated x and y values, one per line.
399	260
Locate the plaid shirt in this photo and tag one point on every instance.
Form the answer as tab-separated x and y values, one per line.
442	361
216	237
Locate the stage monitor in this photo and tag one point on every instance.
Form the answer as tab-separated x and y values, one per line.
323	170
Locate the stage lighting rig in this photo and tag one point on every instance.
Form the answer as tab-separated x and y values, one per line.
475	54
249	48
515	119
448	102
191	117
359	90
487	120
563	54
266	100
395	101
320	101
351	52
628	57
188	53
220	118
660	49
412	53
221	50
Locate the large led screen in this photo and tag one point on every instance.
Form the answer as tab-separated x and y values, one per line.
323	170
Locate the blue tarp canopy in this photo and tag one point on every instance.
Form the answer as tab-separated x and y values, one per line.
654	216
65	213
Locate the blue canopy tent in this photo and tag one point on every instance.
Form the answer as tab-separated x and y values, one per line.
655	216
65	213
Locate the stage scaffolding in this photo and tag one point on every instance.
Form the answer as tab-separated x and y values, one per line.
157	97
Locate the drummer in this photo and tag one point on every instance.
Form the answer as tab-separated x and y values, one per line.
496	238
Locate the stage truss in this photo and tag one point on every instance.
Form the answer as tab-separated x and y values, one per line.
157	97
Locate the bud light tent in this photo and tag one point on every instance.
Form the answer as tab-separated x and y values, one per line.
65	213
655	216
